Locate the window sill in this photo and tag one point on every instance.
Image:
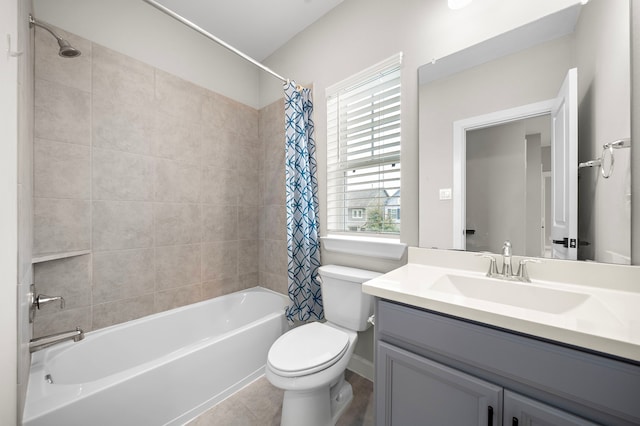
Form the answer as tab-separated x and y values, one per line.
383	248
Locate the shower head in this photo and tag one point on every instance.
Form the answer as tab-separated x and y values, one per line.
66	50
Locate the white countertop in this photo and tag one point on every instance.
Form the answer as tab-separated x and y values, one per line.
608	320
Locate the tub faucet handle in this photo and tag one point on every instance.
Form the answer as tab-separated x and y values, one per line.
43	299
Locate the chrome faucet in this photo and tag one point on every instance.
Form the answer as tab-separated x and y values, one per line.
38	343
46	341
521	275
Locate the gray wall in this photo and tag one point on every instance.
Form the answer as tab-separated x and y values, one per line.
602	46
157	179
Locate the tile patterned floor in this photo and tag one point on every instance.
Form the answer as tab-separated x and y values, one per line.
259	404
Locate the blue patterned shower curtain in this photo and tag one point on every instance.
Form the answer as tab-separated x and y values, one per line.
302	207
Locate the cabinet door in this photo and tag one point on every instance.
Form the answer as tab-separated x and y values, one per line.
412	390
522	411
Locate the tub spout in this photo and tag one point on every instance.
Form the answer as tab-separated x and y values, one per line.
46	341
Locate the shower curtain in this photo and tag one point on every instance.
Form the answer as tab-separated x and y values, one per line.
303	245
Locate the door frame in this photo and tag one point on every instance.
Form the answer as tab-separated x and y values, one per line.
460	129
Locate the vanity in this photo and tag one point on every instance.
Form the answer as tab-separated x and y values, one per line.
453	347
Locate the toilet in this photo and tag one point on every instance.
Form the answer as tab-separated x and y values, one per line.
309	361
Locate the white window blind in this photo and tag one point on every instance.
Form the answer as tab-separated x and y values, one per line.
363	150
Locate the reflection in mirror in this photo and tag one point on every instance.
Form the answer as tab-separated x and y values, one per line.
528	69
515	159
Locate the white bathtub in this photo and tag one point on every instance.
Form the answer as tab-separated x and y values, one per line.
164	369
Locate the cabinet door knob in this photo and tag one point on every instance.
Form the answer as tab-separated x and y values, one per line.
490	416
514	421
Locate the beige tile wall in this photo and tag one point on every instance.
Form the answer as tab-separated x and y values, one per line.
272	219
171	187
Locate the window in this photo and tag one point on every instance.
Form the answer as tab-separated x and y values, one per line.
357	213
393	214
363	151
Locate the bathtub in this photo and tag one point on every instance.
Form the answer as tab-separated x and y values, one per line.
164	369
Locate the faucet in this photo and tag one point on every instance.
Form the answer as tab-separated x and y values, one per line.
521	275
46	341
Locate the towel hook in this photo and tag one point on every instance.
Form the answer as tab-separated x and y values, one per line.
10	52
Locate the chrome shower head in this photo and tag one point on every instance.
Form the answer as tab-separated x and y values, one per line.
66	50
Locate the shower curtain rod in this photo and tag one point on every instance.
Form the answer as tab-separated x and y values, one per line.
210	36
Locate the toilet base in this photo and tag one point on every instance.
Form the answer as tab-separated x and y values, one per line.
341	397
316	407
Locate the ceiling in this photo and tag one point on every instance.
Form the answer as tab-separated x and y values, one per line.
255	27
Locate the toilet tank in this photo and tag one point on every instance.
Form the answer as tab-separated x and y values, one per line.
343	300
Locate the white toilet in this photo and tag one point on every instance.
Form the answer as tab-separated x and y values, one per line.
309	361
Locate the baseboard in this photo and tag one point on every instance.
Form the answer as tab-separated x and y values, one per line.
361	366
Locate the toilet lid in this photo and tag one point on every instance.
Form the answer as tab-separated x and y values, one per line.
308	348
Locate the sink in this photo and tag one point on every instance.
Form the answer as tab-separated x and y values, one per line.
522	295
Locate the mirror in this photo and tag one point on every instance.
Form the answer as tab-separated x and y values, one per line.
524	67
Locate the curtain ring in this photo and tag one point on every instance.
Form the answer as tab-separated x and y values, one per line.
605	170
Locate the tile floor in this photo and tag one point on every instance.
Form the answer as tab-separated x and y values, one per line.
259	404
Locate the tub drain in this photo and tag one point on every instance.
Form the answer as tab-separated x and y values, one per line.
48	379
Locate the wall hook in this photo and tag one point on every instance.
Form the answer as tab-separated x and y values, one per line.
12	53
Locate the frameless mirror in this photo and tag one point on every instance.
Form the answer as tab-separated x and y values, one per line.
492	163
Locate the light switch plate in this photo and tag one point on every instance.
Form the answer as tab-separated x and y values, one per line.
445	193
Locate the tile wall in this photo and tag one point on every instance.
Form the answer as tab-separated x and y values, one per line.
273	220
172	191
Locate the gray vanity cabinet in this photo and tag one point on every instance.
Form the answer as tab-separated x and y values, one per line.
520	411
420	391
438	370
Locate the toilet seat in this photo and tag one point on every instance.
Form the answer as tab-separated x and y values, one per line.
307	349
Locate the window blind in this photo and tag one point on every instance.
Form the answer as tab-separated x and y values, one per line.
363	151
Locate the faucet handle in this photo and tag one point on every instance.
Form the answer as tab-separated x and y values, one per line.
493	266
42	299
522	269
